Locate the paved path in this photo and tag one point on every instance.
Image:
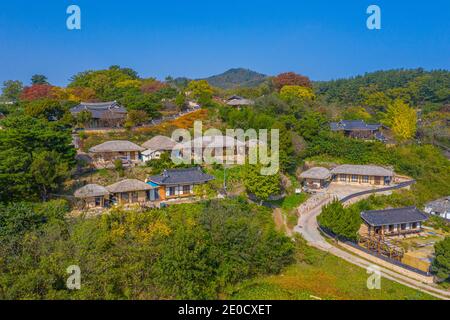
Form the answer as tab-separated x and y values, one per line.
308	228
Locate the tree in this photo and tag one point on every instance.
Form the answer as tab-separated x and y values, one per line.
137	117
83	118
344	222
11	90
262	186
291	93
22	139
39	79
180	101
200	90
37	91
152	86
291	79
441	263
48	171
402	119
45	108
311	125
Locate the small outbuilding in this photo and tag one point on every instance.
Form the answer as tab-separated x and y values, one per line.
316	177
93	196
394	222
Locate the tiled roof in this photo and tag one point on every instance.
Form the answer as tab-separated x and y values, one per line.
393	216
181	176
349	125
110	110
439	206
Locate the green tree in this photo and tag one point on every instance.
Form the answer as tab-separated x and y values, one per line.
49	172
12	89
45	108
39	79
200	90
344	222
22	139
441	263
83	118
262	186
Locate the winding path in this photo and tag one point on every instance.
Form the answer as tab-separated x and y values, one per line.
308	228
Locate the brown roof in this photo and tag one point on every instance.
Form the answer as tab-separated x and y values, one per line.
368	170
316	173
159	143
128	185
116	146
91	190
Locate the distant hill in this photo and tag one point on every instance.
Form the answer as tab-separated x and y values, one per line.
238	77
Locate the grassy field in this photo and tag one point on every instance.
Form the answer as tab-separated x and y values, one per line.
319	275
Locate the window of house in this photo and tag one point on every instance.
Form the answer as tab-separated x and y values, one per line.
98	201
414	225
391	228
125	197
172	191
365	179
134	197
343	177
186	189
354	178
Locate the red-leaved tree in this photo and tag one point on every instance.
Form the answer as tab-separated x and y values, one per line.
152	86
291	79
37	91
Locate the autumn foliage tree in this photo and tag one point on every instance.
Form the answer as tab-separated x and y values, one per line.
402	119
291	79
37	91
152	86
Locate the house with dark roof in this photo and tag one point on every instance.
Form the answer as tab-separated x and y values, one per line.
178	183
394	222
103	114
358	129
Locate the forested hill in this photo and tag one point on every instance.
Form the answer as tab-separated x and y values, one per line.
415	86
238	77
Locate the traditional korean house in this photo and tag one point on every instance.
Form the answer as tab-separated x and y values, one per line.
178	183
103	114
394	222
362	174
93	196
237	101
358	129
157	146
440	207
106	153
130	191
316	178
220	147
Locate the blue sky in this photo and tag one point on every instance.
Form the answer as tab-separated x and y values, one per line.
322	39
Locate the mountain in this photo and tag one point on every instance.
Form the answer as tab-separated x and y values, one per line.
238	77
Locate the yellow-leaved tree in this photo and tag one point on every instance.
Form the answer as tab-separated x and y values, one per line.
402	119
292	93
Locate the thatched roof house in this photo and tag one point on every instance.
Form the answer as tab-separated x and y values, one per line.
116	146
128	185
159	143
318	173
91	191
368	170
239	101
